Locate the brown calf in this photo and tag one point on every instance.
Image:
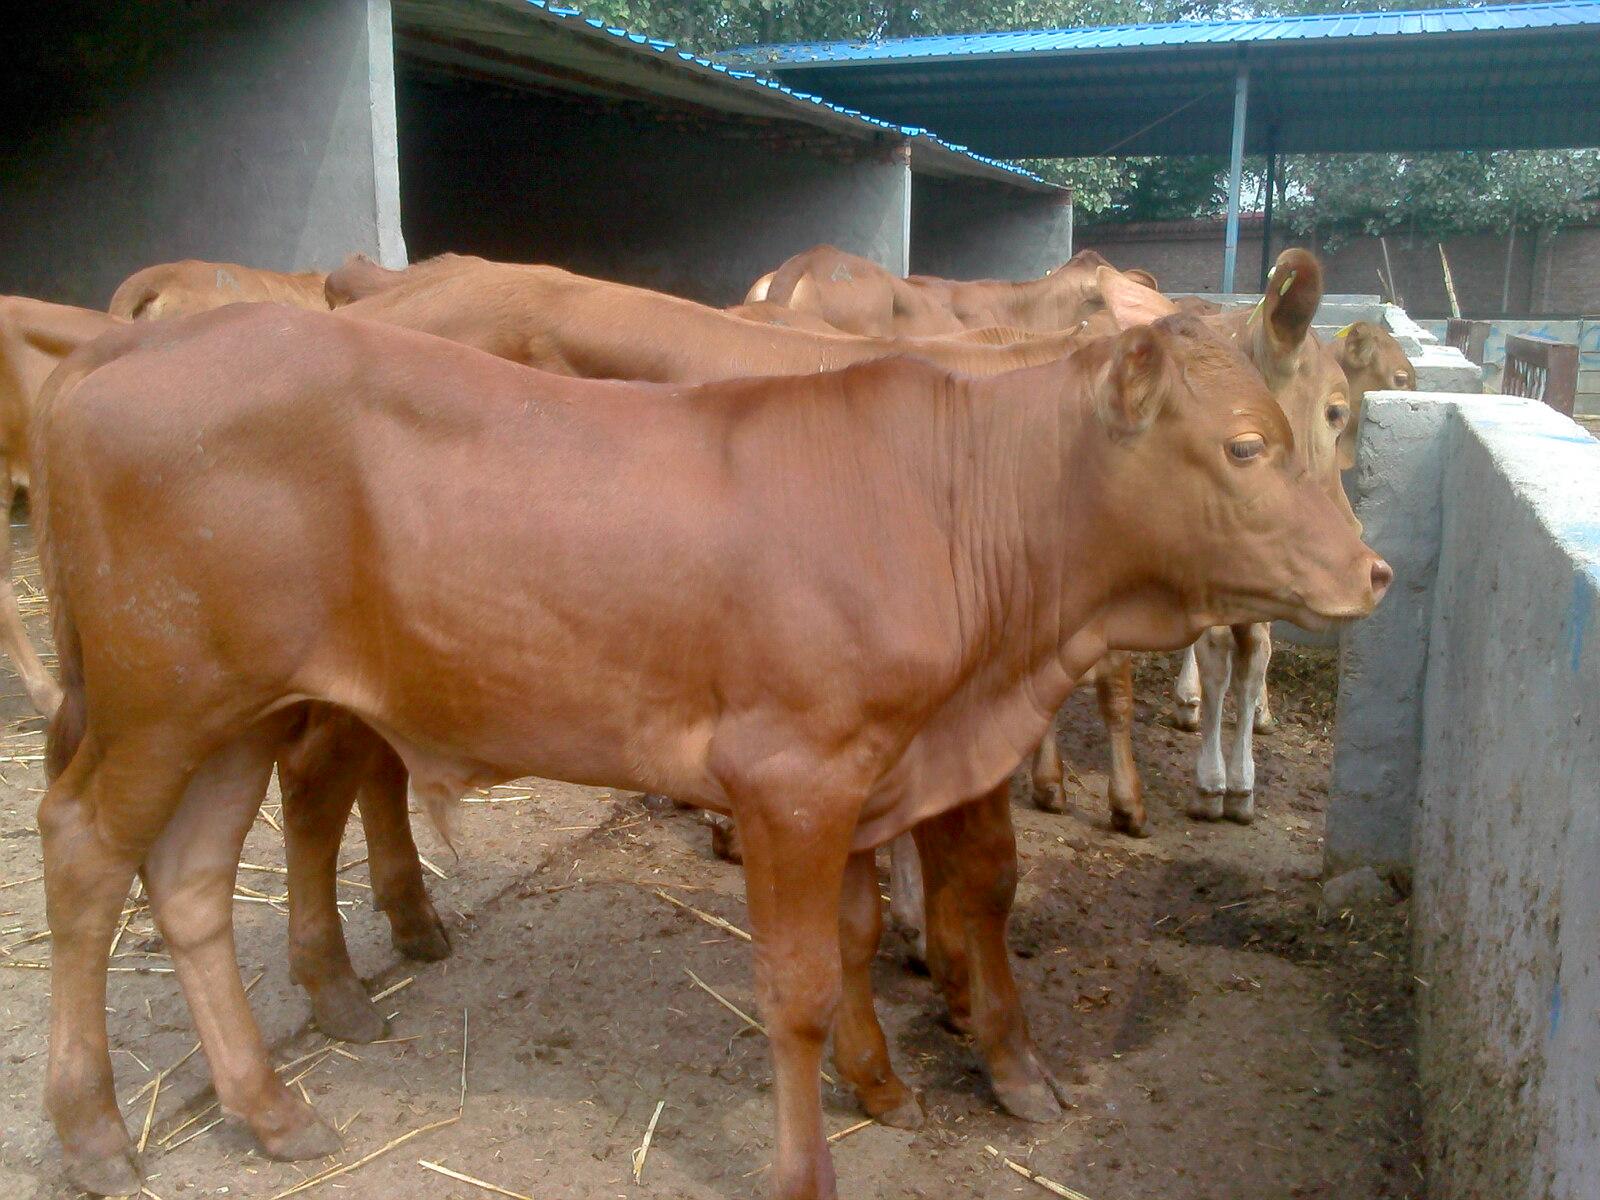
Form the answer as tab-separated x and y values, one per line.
858	295
844	612
180	289
34	338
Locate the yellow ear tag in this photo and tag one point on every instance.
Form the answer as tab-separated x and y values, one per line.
1345	330
1283	288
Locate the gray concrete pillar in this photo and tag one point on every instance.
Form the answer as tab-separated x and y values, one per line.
261	134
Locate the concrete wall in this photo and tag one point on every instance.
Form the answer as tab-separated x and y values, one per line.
141	133
1551	274
693	207
1485	669
969	229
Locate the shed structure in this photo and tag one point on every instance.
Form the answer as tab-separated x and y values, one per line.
1499	77
288	135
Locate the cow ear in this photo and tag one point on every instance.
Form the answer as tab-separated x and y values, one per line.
1294	291
1356	347
1139	379
1140	275
1128	301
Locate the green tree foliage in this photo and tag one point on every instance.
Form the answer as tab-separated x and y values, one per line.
1431	195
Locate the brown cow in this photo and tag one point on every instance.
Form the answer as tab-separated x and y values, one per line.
34	337
858	295
180	289
1371	359
852	601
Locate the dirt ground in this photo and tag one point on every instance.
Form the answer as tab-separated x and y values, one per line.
1220	1042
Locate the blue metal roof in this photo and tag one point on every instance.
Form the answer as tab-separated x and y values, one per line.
1495	19
1504	76
510	30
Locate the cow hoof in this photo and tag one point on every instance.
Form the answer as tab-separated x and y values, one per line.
1033	1101
108	1175
344	1012
423	937
905	1115
45	697
1206	806
1264	722
1240	807
1187	716
725	843
1050	797
1127	823
310	1138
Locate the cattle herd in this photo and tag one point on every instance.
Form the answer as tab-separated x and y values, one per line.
823	564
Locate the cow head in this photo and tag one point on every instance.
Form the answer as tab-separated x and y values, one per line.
1217	517
1371	360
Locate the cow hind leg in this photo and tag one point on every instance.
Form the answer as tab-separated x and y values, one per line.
318	774
1113	687
1186	694
1252	653
859	1049
189	873
972	850
43	692
95	822
393	860
1214	659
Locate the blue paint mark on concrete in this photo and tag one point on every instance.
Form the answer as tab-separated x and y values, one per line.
1555	1006
1579	614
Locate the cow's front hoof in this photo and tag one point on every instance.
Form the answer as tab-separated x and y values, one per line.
307	1137
1049	797
344	1012
1032	1101
115	1174
1134	825
1206	806
1264	721
1187	715
896	1106
1240	807
422	936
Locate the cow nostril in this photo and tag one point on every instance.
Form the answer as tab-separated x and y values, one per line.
1382	576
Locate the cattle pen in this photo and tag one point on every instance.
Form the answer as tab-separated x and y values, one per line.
1387	986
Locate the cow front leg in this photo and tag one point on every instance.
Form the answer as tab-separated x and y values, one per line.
394	865
1186	693
905	894
319	771
1113	685
795	850
1214	658
859	1049
1252	653
1049	777
970	858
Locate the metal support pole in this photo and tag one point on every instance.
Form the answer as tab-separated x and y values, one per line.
1241	104
902	157
1266	216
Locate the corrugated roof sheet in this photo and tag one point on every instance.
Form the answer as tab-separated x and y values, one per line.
727	80
1497	18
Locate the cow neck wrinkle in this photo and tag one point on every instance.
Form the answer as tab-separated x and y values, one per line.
1020	507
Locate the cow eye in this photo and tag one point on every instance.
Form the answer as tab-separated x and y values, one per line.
1338	413
1402	380
1246	447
